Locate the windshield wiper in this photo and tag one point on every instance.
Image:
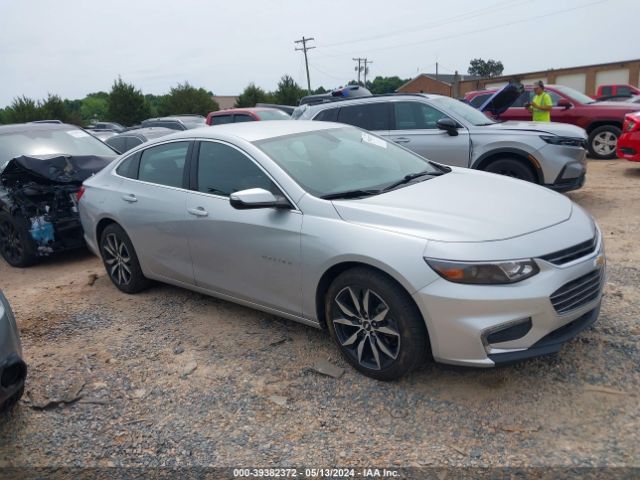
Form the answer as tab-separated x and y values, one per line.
351	194
412	176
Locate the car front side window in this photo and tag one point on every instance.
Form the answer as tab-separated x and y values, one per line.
416	116
164	164
223	170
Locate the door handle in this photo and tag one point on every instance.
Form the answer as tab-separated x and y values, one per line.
131	198
402	140
198	212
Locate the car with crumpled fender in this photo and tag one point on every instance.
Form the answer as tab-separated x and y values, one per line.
42	166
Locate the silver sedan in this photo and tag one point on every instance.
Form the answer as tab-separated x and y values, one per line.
397	257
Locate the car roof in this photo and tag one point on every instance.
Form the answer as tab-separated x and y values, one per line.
31	126
146	132
255	131
391	97
243	110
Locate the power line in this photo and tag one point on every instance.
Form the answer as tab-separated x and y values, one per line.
306	60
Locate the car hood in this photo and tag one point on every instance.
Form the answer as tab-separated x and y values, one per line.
500	101
461	206
552	128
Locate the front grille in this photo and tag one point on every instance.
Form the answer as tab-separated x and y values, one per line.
572	253
578	292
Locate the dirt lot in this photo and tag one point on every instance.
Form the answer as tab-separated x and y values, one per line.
174	378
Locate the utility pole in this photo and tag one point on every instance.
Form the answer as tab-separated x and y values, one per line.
306	60
359	68
436	70
366	70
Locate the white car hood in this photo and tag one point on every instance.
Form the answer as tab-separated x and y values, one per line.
553	128
461	206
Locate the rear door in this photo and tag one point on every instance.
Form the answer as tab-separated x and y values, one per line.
375	117
415	127
152	199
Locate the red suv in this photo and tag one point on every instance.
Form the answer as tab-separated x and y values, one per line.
236	115
602	120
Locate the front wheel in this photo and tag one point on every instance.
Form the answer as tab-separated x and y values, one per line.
16	246
376	325
603	141
121	261
512	168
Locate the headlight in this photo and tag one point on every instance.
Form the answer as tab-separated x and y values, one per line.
629	126
567	141
484	273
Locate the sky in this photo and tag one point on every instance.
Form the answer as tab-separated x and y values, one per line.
75	47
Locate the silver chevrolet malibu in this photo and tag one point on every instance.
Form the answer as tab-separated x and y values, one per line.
398	257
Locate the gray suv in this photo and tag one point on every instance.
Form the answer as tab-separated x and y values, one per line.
448	131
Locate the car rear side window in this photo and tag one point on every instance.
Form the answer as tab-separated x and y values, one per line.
220	119
164	164
223	170
328	115
416	116
371	116
606	91
129	167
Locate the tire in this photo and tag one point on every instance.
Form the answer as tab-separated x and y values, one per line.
121	261
381	346
16	245
512	167
603	141
12	401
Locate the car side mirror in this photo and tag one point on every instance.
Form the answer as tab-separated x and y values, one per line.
564	103
449	125
256	198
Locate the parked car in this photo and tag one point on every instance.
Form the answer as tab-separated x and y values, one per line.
175	122
102	135
350	91
288	109
629	142
13	369
448	131
123	142
338	228
601	120
236	115
41	169
616	90
106	127
621	98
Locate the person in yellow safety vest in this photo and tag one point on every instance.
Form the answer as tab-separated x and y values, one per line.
541	104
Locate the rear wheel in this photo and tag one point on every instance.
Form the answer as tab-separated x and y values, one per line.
16	246
12	401
375	324
603	141
512	167
120	260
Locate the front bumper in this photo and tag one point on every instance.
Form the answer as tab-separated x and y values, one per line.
461	318
564	167
628	146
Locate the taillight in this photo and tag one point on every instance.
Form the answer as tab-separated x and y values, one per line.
80	193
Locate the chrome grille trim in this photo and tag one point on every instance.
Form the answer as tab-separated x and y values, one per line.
578	292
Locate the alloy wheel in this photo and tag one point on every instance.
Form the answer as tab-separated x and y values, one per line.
365	327
604	143
10	244
117	258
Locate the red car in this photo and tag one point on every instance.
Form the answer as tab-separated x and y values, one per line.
629	141
602	120
235	115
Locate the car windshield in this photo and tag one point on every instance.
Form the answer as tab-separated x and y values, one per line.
272	115
574	94
329	162
45	142
456	108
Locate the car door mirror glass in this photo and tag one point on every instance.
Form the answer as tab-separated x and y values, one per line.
564	103
449	125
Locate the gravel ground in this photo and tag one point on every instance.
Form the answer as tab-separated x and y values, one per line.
173	378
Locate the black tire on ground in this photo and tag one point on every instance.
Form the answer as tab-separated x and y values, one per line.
121	261
602	142
16	245
512	167
12	401
384	346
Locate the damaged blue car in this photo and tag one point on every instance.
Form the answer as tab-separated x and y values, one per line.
42	167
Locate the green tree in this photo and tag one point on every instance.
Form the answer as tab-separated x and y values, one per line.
488	68
23	109
156	103
94	107
186	99
54	108
126	104
381	85
320	90
288	92
250	96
